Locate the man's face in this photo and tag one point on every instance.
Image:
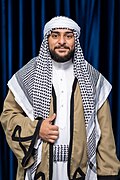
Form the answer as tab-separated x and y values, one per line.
61	44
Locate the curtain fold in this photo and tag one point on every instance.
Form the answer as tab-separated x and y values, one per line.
20	26
21	34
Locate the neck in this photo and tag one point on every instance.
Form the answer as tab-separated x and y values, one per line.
62	65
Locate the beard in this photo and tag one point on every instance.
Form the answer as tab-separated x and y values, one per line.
61	59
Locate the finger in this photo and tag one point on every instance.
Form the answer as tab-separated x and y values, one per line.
51	118
55	133
52	139
53	128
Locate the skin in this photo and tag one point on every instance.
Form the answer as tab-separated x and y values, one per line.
49	132
61	45
61	42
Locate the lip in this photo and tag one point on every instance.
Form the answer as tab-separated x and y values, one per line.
61	47
62	50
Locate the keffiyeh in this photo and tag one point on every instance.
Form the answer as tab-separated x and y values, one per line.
61	22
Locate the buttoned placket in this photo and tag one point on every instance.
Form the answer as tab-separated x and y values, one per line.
62	82
62	98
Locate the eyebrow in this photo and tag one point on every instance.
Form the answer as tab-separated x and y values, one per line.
67	32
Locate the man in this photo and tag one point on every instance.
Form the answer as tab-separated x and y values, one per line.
56	115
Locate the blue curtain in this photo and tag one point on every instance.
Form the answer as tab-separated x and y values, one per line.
21	33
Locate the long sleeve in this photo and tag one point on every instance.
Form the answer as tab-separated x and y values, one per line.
107	162
21	133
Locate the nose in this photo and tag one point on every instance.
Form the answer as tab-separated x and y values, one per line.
61	40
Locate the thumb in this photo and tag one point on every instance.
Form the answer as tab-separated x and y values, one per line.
51	118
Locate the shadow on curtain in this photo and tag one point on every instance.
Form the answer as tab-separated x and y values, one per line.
21	34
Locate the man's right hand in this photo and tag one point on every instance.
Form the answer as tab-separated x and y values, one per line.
49	132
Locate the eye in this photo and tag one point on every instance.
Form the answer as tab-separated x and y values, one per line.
69	36
54	35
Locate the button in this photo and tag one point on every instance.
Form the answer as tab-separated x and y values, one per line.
62	105
62	91
61	79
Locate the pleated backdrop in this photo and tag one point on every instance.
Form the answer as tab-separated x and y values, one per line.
21	33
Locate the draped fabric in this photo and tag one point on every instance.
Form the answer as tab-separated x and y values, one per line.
21	34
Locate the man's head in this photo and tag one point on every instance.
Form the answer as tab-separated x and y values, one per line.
61	44
61	39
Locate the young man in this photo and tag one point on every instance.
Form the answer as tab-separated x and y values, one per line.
56	115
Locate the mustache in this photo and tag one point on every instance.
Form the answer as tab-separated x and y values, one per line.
61	46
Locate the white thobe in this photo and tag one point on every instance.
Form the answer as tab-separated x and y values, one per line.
63	78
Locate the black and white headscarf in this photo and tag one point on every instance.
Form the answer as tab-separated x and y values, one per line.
36	81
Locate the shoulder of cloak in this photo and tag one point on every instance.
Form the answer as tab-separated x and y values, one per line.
101	86
25	77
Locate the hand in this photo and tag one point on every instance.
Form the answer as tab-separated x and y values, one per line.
49	132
